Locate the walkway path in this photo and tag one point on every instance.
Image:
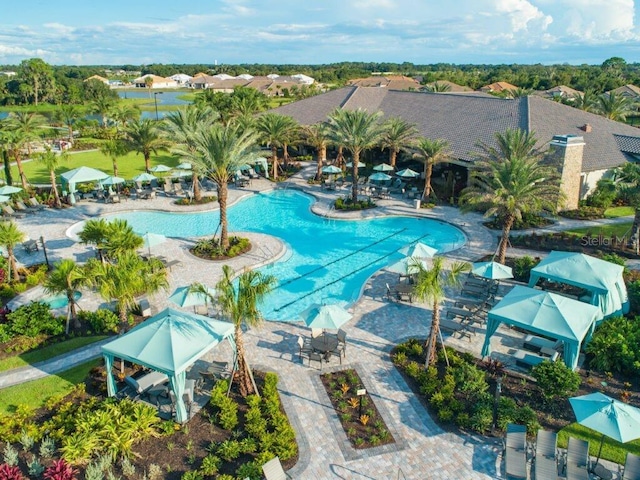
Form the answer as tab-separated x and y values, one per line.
422	449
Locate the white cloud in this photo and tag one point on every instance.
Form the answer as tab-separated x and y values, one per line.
522	13
9	50
599	20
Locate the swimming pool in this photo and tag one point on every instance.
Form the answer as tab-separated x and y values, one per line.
61	300
327	260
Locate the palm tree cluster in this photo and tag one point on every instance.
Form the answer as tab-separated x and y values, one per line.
610	105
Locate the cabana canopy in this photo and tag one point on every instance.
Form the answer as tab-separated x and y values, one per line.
169	342
545	313
81	175
602	279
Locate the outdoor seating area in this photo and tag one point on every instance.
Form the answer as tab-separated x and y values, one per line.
321	348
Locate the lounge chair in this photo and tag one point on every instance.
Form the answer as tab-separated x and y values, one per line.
631	468
529	359
535	344
30	246
546	465
7	211
34	203
21	207
273	470
577	465
452	327
144	383
515	452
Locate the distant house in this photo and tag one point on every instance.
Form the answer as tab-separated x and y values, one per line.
98	78
498	87
629	91
181	78
390	82
559	92
158	82
8	74
453	87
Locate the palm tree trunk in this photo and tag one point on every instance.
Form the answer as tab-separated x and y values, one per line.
147	160
340	156
13	266
428	171
6	160
285	155
222	201
354	175
54	189
504	240
115	168
393	156
72	309
274	159
23	177
321	158
197	194
433	335
244	381
122	315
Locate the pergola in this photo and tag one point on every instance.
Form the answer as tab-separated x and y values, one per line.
81	175
169	342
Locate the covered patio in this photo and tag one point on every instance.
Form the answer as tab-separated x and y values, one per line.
603	280
544	313
168	343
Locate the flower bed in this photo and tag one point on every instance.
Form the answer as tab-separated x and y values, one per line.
363	425
210	249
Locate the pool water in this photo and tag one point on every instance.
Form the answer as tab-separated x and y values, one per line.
60	301
327	260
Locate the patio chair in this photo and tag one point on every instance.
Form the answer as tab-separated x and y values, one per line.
546	465
10	212
342	337
515	451
631	468
273	470
21	207
577	463
390	295
30	246
316	332
316	357
34	203
168	188
304	345
535	344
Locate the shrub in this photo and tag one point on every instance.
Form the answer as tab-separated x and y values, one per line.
251	470
32	320
615	346
101	321
210	248
603	195
210	465
522	267
193	475
555	379
584	212
10	455
10	472
229	450
227	409
59	470
35	467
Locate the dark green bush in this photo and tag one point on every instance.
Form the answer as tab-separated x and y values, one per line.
603	195
347	204
555	379
522	267
615	345
32	320
210	248
101	321
584	213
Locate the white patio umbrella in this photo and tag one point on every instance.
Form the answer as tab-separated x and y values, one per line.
181	173
184	297
379	177
383	167
112	180
4	198
360	164
152	239
418	250
331	169
9	189
144	177
407	266
160	168
185	166
407	173
331	316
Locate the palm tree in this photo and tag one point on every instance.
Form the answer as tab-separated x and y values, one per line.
102	106
438	87
219	151
509	180
10	237
584	101
26	127
180	128
431	152
114	148
123	113
317	135
67	277
128	277
111	239
357	131
614	107
276	131
69	115
430	287
240	306
51	161
144	137
398	134
148	82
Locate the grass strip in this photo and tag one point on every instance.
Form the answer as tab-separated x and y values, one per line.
611	230
611	450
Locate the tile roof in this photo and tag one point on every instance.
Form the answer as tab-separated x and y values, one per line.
628	90
498	87
466	119
453	87
630	145
392	82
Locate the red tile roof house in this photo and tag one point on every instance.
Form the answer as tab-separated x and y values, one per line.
587	145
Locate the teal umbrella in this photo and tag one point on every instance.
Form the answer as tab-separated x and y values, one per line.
407	266
407	173
184	297
491	270
144	177
607	416
4	198
160	168
9	189
185	166
331	316
418	250
383	167
152	239
379	177
181	173
331	169
112	180
360	165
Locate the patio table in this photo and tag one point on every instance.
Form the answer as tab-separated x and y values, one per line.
324	343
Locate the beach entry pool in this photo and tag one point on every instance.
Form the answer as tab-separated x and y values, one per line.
327	260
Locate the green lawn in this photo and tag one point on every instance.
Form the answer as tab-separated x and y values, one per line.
615	212
615	230
611	450
48	352
35	393
128	166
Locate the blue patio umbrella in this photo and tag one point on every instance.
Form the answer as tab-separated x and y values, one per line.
152	239
185	166
607	416
418	250
112	180
4	198
160	168
181	174
9	189
407	173
407	266
379	177
332	169
331	316
184	297
144	177
491	270
383	167
360	164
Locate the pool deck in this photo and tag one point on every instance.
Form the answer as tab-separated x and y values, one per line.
422	449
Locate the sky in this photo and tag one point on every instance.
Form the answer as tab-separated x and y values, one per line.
116	32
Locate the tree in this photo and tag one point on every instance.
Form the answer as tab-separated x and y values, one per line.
51	161
585	101
275	130
613	106
148	82
10	237
240	306
509	180
438	87
111	239
127	277
144	137
431	152
26	127
398	135
219	151
69	115
114	149
180	127
430	287
357	131
38	75
122	113
317	135
66	278
102	105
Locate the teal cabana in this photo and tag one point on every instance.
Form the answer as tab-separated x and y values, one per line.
80	175
169	342
603	280
545	313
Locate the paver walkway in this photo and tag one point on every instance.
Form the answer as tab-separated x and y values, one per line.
422	449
